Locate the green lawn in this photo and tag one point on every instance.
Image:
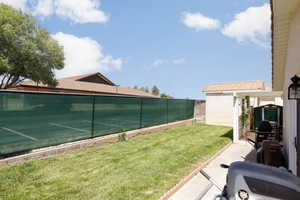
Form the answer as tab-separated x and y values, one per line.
142	168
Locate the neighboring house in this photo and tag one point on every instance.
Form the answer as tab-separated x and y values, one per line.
84	84
286	64
219	100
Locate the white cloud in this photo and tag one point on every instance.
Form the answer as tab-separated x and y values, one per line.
177	61
160	62
254	24
84	55
78	11
44	8
199	22
18	4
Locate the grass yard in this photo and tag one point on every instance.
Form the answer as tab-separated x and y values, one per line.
142	168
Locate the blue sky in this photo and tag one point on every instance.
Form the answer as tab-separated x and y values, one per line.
180	46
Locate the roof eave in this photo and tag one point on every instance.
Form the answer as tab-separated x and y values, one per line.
88	91
231	91
281	16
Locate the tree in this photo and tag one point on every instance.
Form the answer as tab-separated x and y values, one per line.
155	90
164	95
136	87
142	89
27	51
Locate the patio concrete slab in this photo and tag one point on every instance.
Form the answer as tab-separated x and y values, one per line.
236	152
193	189
211	193
199	187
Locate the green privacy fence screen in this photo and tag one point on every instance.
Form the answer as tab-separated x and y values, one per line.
33	120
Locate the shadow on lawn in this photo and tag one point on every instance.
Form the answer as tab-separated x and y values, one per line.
228	134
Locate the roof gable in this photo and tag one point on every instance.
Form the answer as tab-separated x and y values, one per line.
92	78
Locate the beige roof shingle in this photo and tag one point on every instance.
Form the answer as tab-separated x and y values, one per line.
74	78
235	86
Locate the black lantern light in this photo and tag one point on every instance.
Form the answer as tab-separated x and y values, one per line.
294	88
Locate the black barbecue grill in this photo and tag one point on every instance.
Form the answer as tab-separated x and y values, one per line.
264	130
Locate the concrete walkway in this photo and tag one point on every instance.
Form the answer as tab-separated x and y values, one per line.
206	185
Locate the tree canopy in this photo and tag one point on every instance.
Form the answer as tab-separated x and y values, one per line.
155	90
166	96
27	51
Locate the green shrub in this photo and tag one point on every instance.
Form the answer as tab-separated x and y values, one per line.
122	137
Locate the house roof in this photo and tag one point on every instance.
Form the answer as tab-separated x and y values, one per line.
235	86
75	78
74	83
282	14
268	88
79	77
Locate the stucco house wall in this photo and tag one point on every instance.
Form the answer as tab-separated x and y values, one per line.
290	108
220	106
219	109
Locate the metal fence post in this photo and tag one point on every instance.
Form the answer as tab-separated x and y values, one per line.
194	110
167	111
93	116
141	111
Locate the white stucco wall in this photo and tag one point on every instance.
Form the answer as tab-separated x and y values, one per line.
279	101
269	100
254	101
219	109
289	110
266	100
